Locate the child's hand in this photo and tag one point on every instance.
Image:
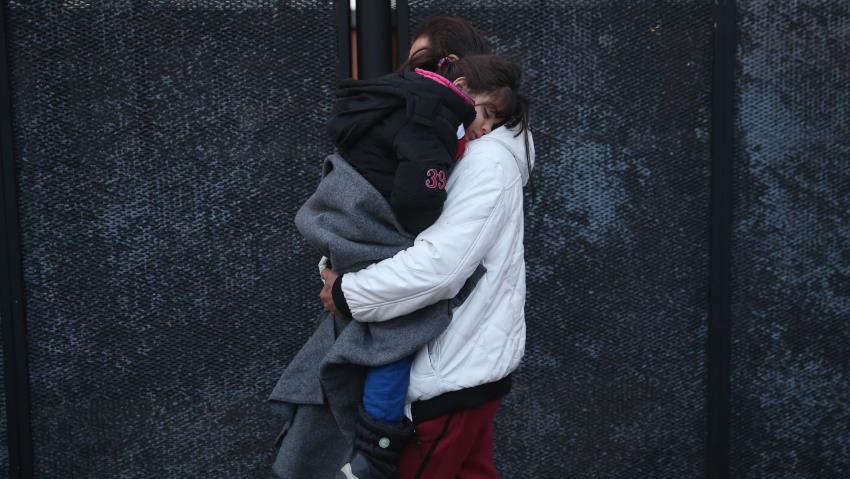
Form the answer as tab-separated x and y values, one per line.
329	276
323	265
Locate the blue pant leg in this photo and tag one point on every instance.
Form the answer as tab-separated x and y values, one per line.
386	390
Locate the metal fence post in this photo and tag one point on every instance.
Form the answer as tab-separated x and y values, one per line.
719	313
374	38
15	356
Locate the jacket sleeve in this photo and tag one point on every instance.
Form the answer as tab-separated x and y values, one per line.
419	185
443	256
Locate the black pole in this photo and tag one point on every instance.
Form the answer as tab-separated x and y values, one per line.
719	315
16	374
402	10
342	19
374	38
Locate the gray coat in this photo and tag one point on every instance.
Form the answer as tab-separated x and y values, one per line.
318	394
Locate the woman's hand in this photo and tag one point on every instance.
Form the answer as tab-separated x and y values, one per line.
329	276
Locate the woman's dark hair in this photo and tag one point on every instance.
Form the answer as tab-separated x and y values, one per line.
452	35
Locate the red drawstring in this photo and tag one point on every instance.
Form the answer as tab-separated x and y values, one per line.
461	147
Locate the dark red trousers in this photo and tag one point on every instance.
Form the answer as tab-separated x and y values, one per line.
464	446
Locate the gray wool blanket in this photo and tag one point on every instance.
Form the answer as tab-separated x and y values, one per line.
319	392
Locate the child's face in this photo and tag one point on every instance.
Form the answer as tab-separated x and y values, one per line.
485	117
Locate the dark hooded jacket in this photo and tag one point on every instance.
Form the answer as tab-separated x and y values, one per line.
399	132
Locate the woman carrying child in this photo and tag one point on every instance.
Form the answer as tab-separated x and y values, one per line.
402	134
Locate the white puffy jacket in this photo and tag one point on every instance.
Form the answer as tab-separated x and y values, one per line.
481	223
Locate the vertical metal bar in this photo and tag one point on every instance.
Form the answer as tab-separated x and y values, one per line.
374	38
342	20
403	29
15	359
720	314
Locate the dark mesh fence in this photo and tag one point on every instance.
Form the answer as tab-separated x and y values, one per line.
4	444
613	381
791	263
162	150
163	147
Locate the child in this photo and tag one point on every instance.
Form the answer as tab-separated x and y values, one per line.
403	132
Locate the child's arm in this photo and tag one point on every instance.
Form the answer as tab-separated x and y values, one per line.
419	187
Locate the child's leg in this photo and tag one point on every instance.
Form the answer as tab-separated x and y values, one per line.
386	390
381	432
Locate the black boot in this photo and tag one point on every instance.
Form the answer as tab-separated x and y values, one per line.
377	448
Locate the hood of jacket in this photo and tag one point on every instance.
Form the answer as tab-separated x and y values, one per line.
360	104
515	142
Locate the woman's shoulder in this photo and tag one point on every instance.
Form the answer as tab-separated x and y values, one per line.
483	162
498	150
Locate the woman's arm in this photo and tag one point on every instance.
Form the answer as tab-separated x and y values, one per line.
444	255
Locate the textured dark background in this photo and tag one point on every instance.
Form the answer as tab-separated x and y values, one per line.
163	148
791	261
162	151
4	443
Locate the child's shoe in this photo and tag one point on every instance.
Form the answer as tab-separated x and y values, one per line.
377	448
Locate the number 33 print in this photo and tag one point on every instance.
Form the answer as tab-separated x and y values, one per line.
436	179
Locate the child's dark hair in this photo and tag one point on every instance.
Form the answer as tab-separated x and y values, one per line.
498	76
452	35
502	79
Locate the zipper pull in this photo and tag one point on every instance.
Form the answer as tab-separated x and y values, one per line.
418	443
